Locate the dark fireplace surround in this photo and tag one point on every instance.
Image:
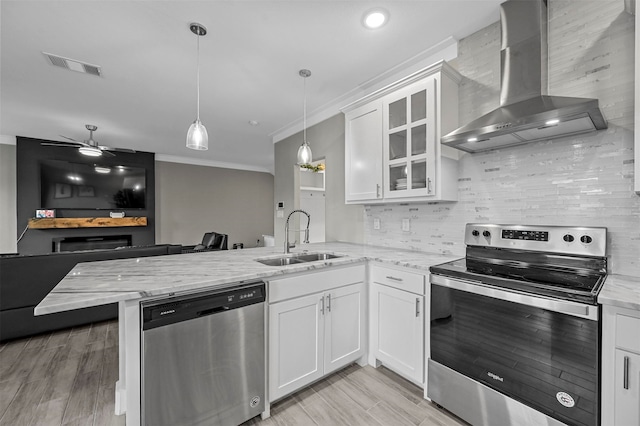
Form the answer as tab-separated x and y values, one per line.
29	154
90	243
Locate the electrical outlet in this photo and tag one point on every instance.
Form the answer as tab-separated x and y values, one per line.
376	223
406	225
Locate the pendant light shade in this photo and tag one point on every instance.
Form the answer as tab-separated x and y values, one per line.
304	152
197	137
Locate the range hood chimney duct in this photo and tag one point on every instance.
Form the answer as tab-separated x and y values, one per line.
526	112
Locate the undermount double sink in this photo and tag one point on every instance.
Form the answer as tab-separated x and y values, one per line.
294	259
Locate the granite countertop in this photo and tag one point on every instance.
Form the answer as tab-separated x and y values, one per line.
103	282
621	291
108	281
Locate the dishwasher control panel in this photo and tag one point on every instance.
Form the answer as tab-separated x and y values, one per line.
165	311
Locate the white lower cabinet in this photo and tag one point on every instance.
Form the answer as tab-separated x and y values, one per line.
620	366
397	327
313	335
296	336
627	385
344	326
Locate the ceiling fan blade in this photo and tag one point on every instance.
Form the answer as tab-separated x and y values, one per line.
108	148
67	137
108	153
62	144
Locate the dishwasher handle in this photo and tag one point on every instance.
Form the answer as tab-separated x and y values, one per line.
213	311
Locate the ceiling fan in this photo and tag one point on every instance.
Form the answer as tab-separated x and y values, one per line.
88	147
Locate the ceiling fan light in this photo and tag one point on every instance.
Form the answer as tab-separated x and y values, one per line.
197	137
304	154
90	151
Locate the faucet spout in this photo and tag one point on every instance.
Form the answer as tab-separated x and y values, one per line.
288	246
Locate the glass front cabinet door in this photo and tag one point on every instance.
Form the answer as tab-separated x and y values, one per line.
392	140
409	140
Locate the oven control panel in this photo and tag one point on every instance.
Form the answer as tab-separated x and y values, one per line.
588	241
517	234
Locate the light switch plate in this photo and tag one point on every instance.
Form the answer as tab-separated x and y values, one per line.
376	223
406	225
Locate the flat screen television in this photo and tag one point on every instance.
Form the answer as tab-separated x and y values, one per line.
68	185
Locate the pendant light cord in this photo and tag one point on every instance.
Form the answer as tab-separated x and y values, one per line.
198	77
304	112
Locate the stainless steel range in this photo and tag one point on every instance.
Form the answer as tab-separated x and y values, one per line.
515	331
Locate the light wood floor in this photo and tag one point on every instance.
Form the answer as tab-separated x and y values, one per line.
68	377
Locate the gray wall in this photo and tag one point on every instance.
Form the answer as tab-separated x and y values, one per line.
191	200
342	222
8	224
586	180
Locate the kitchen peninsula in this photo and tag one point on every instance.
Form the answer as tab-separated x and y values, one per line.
133	280
130	281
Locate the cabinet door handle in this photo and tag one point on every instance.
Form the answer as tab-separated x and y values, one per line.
322	305
377	190
328	302
625	374
389	277
429	185
417	307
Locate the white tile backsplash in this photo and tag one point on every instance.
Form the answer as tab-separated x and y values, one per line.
585	180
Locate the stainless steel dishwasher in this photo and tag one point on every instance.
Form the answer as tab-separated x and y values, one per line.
203	357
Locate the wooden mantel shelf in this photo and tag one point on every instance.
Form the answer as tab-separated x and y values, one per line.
85	222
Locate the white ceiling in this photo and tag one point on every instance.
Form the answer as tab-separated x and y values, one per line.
249	63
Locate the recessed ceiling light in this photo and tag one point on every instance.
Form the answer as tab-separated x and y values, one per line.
103	170
375	18
253	122
552	122
472	140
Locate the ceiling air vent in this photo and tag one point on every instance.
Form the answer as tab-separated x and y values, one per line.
73	65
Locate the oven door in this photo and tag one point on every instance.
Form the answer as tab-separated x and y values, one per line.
541	352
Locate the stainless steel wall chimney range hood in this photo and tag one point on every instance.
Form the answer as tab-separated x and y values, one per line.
526	113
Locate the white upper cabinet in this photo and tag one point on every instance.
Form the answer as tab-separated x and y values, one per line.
363	153
392	140
409	141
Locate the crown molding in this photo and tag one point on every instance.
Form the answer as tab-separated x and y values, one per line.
209	163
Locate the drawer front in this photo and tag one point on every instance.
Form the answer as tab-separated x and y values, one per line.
313	282
627	334
400	279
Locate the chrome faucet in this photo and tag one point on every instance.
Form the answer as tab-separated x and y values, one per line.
288	246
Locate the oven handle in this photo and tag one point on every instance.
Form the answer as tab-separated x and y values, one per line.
564	307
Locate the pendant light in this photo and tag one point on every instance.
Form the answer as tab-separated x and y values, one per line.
304	152
197	137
